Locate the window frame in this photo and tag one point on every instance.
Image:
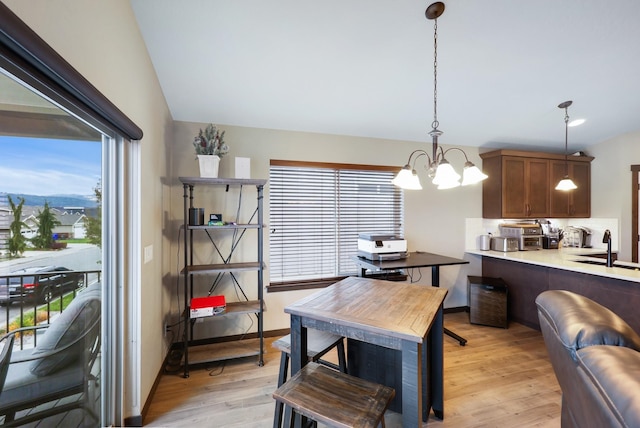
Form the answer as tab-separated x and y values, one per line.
302	284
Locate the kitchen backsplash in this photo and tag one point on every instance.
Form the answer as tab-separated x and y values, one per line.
481	226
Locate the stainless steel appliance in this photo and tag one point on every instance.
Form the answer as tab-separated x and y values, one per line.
529	235
550	241
484	242
504	243
577	236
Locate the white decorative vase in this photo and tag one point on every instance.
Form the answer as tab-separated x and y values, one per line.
209	165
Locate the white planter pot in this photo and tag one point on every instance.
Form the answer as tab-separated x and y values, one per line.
209	165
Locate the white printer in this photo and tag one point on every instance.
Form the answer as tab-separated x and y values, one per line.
380	247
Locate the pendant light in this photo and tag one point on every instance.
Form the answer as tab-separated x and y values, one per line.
439	169
566	183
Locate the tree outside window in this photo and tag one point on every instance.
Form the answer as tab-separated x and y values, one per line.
46	223
17	242
93	224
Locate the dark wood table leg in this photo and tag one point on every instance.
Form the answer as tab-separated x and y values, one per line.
427	395
435	282
298	356
436	364
412	377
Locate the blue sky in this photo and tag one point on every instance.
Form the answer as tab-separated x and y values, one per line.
44	167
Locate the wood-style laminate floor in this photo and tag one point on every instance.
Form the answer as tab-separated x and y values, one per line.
501	378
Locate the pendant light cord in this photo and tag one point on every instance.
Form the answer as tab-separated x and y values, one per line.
566	141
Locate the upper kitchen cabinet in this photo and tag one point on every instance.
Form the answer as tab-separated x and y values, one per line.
574	203
522	184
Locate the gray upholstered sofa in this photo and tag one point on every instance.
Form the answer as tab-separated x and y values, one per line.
596	359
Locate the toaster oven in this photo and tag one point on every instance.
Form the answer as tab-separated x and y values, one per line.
529	235
504	243
529	243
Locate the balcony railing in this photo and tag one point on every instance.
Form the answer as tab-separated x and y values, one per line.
24	304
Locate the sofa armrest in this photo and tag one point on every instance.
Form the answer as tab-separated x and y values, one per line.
580	322
609	377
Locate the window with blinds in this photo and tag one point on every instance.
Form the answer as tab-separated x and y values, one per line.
317	211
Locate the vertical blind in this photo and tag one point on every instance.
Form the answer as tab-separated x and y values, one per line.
317	211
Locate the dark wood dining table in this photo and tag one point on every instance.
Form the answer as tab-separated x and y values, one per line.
399	316
413	260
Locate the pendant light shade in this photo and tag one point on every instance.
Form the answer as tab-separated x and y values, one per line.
446	177
566	184
408	179
471	174
440	170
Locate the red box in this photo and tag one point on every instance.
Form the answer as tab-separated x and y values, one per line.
207	306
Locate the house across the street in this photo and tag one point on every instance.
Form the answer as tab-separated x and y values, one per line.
71	223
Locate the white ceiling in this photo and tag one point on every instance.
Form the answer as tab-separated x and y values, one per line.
365	67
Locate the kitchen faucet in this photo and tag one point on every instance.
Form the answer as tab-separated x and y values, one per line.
606	239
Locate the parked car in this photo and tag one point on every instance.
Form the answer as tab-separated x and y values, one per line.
38	284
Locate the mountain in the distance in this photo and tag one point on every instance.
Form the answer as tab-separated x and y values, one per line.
55	200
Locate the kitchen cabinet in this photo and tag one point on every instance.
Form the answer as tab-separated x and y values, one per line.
521	185
574	203
205	241
517	187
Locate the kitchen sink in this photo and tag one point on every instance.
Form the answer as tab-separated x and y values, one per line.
604	263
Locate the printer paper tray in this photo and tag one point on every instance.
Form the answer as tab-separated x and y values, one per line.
380	257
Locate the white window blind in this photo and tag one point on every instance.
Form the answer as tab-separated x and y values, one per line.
316	213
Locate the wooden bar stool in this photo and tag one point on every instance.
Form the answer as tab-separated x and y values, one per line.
334	398
318	344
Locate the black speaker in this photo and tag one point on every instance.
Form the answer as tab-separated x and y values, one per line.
196	216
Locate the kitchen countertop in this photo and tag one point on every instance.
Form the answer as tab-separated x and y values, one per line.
565	258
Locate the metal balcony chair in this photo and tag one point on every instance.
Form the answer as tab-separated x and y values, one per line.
60	366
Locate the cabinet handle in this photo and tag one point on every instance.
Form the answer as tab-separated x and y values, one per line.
528	210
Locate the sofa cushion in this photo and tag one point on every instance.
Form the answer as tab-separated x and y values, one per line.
612	377
23	388
80	316
580	322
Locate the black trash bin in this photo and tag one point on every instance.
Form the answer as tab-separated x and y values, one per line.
488	301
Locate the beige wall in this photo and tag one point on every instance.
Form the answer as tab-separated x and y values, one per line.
102	41
435	220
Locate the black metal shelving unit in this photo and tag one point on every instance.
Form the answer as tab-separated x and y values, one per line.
190	270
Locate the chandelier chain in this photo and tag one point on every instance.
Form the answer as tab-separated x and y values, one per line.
435	123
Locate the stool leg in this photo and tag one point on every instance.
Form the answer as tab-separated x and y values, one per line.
282	377
342	362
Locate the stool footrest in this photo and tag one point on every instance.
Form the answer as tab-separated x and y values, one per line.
318	343
334	398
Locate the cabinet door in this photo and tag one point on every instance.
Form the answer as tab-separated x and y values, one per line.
559	198
537	188
580	199
525	187
574	203
514	202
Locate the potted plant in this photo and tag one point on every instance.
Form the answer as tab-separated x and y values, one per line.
210	147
